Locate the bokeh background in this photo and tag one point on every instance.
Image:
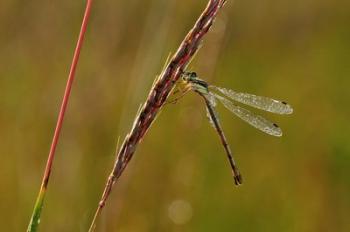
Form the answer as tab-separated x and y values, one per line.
179	179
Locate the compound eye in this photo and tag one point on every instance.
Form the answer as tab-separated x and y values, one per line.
193	74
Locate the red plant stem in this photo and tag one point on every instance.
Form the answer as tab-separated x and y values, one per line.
62	111
67	92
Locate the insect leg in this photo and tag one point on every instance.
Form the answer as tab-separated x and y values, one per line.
182	94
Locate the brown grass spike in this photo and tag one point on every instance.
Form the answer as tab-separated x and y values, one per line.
158	95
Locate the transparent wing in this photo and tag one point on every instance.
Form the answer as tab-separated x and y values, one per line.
213	103
259	102
211	98
255	120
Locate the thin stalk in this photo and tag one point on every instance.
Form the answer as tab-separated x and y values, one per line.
158	96
35	218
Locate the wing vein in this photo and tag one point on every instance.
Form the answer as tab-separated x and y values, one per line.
254	120
259	102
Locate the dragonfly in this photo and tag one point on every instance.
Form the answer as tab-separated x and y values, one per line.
211	94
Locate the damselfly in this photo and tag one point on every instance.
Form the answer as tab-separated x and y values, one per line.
211	94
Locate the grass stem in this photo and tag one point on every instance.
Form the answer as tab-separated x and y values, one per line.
158	96
35	218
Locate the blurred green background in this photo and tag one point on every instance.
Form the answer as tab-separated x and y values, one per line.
179	179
